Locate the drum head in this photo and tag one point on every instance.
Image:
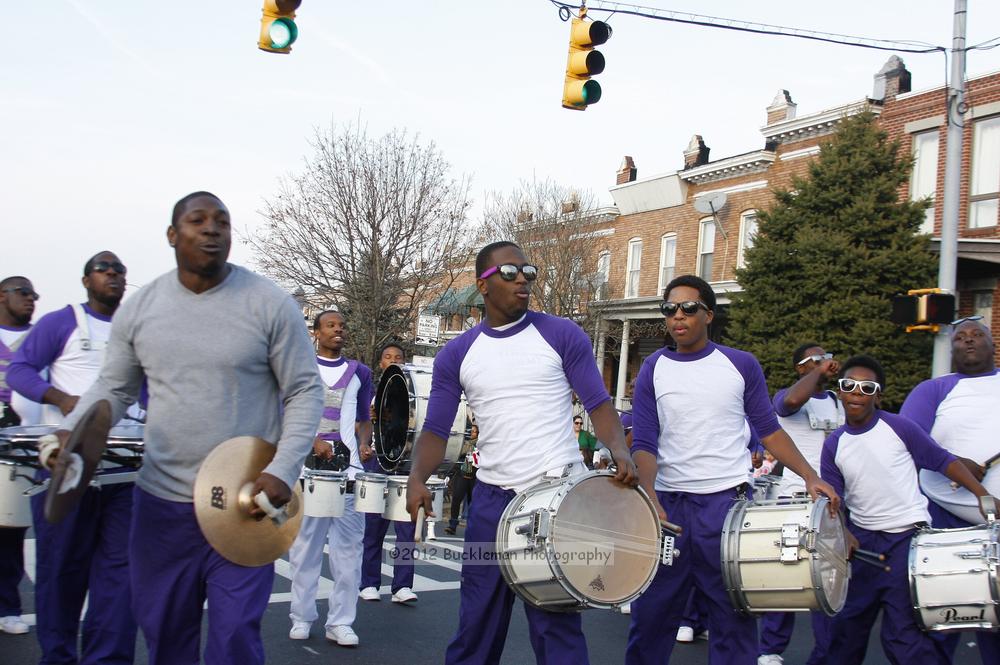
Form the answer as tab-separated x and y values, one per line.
606	539
392	417
831	546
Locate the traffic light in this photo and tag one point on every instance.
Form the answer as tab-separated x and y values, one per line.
579	91
923	309
277	26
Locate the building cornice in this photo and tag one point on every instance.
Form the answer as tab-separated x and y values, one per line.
732	167
817	124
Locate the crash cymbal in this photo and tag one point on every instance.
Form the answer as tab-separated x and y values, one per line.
222	504
88	440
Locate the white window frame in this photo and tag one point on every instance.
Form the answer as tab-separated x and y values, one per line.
747	217
701	247
923	179
984	188
633	273
604	270
668	260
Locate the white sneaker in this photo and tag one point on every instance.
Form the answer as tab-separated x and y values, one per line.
300	630
685	634
13	625
342	635
626	608
770	659
404	595
369	593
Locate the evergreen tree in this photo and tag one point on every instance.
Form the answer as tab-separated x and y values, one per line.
830	254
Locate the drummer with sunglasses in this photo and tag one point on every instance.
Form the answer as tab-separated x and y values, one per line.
87	553
959	411
517	369
694	412
873	461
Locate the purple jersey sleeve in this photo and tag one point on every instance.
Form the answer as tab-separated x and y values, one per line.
779	404
924	450
365	392
828	469
573	346
446	384
645	417
41	348
922	403
756	404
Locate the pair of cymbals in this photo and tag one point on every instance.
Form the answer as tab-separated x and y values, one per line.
87	440
223	500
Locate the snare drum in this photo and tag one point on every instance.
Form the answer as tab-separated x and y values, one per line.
323	493
955	578
369	492
395	500
766	487
583	541
15	485
785	556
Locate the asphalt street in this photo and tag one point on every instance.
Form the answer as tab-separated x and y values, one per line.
391	633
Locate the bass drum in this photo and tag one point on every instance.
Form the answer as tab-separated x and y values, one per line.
400	409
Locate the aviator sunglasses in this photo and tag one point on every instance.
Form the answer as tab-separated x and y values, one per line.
104	266
974	317
24	291
508	272
866	387
816	358
689	307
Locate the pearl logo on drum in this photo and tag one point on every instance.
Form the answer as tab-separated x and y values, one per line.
951	615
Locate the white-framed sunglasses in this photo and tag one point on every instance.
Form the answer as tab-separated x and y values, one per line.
866	387
816	358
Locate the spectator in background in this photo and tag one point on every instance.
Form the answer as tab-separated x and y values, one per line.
586	441
463	478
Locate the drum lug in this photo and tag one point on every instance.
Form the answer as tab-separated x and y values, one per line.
667	551
791	538
536	529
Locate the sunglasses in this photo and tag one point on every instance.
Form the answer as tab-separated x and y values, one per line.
24	291
974	317
577	422
816	358
866	387
104	266
689	307
508	272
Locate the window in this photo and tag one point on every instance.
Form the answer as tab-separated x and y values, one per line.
982	304
923	182
603	271
984	186
748	235
706	248
632	270
668	259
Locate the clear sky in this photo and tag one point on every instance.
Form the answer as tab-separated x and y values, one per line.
113	109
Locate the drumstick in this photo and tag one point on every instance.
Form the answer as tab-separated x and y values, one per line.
871	562
418	531
878	556
671	527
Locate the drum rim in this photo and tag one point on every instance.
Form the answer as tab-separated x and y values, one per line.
324	474
994	531
583	601
371	477
731	576
815	520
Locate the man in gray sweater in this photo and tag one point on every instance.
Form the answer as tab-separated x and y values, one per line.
224	353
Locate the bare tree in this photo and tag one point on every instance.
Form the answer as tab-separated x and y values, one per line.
371	226
558	228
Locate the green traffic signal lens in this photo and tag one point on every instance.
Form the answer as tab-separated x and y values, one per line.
591	92
282	33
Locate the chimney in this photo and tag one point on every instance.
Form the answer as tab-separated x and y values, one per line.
696	153
782	108
626	172
893	79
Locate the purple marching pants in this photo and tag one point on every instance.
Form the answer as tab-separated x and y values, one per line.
11	569
989	643
486	600
376	527
776	632
695	614
872	589
174	571
85	553
656	614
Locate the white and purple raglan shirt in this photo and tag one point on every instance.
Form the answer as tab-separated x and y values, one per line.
11	339
517	379
961	412
346	397
874	468
694	412
808	426
56	343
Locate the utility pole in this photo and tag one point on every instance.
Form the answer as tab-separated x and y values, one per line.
948	265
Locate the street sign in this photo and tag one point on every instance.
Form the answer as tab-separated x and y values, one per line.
428	330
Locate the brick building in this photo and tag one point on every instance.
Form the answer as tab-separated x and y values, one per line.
666	225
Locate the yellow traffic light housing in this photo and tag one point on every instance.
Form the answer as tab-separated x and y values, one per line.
923	309
579	91
277	26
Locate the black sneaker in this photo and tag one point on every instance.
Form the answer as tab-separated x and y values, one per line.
450	530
